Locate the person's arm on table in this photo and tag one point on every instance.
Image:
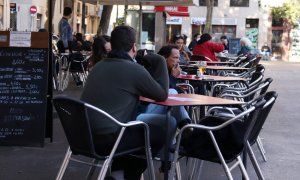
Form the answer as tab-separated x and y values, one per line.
154	84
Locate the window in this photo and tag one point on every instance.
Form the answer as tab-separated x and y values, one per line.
252	23
239	3
78	8
172	29
86	10
39	21
220	30
252	31
277	22
203	2
148	28
1	17
197	29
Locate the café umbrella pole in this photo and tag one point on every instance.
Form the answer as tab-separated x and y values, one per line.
49	120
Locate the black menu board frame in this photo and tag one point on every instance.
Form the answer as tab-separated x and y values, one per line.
234	45
23	91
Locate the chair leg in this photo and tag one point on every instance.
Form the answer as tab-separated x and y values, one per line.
103	170
254	162
190	169
142	177
222	160
178	171
92	170
198	169
261	149
64	164
243	169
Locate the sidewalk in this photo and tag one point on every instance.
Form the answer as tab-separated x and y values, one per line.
280	137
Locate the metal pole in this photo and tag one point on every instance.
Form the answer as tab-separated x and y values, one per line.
83	26
140	25
49	121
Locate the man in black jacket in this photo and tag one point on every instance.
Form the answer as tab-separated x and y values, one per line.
115	85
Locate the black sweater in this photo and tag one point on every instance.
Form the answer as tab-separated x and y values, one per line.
114	85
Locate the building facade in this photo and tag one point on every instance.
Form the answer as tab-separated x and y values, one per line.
26	15
232	18
31	15
92	17
4	14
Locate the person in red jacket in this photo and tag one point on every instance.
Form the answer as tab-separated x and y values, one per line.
207	48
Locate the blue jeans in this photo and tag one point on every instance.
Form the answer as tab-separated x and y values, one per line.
179	112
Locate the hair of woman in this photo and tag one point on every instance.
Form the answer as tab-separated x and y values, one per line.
98	49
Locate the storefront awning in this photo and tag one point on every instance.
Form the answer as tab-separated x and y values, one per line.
174	10
151	2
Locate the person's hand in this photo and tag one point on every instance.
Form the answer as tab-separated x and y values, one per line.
176	70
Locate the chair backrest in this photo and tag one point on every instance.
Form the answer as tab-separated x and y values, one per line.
256	78
73	117
249	94
230	135
270	98
260	68
199	58
78	62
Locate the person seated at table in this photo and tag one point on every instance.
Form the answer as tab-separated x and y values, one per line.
224	41
207	48
80	44
266	51
178	40
100	49
117	92
193	43
246	46
171	55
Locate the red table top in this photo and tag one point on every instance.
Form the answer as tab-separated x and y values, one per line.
192	100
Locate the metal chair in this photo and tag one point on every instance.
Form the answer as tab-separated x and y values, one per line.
219	140
270	98
74	117
77	66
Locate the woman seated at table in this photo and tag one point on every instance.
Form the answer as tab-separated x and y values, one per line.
246	46
179	41
101	47
207	48
80	44
171	54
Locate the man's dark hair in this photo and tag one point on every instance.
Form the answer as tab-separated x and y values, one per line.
166	51
223	37
123	38
67	11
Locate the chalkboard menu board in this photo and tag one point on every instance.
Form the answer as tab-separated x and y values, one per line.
23	95
234	45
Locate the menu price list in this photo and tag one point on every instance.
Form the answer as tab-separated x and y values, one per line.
23	88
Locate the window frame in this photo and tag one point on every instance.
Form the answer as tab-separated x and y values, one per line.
235	3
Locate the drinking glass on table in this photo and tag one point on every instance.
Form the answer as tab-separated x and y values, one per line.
202	68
